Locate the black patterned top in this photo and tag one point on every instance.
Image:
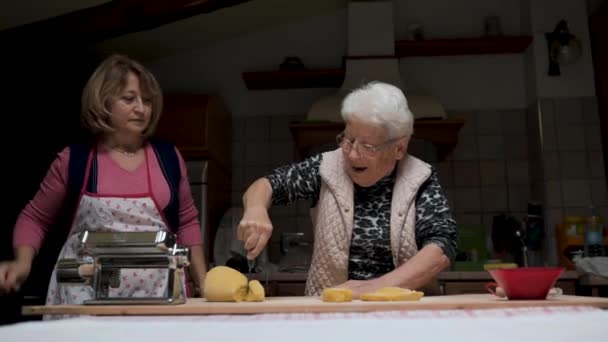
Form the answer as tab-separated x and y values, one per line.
370	250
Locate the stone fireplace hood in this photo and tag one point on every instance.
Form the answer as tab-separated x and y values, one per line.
371	57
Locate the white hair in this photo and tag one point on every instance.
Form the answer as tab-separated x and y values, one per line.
380	104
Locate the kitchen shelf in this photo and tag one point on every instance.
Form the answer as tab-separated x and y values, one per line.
308	136
462	46
333	78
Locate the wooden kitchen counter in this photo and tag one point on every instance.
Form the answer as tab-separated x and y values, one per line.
198	306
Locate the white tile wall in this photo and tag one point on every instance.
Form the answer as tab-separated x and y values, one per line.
577	193
489	123
568	112
519	195
491	147
571	138
573	165
549	139
494	198
516	147
493	172
518	172
466	200
550	165
596	164
466	173
553	193
514	122
466	149
590	111
593	137
598	192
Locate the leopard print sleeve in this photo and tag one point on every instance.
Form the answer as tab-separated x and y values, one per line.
296	181
434	222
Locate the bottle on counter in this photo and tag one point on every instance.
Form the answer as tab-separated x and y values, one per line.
594	235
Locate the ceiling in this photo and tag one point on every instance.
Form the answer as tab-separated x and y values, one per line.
15	13
186	34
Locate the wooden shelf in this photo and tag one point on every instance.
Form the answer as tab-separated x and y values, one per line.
308	136
462	46
333	78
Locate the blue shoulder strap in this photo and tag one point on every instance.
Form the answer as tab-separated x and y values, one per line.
79	154
167	159
169	164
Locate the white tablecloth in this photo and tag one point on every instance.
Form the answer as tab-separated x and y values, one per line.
572	324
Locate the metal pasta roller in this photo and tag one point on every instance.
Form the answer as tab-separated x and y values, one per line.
102	256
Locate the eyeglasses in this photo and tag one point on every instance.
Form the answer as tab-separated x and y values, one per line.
366	150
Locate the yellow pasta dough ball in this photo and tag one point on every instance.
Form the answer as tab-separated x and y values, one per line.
225	284
256	292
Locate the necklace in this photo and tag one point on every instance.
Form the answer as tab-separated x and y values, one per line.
128	154
121	150
124	153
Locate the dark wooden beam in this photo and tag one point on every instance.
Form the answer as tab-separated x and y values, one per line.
106	21
598	31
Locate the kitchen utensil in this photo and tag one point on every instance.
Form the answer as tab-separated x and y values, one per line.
102	256
251	265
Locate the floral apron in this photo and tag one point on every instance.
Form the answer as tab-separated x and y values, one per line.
116	213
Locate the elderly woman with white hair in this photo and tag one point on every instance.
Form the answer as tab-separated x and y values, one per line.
380	216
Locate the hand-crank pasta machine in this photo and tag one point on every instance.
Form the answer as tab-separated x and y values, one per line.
103	255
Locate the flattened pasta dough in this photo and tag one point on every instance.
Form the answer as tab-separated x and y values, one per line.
336	294
391	294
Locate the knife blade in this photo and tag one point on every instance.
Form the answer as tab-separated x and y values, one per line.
251	265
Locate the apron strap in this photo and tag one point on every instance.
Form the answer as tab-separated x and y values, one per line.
169	163
82	165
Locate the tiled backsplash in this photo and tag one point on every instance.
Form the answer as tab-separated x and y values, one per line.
487	172
493	169
570	167
260	144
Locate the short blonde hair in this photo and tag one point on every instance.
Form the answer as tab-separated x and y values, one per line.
380	104
109	80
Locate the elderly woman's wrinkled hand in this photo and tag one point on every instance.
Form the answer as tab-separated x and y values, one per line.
254	230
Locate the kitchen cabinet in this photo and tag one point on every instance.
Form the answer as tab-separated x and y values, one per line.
201	128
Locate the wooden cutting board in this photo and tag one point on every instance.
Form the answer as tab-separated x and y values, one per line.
198	306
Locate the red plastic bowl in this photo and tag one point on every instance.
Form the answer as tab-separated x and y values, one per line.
526	282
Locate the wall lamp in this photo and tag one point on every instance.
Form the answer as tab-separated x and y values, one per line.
564	48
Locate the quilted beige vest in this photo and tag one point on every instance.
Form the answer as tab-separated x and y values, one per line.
333	219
